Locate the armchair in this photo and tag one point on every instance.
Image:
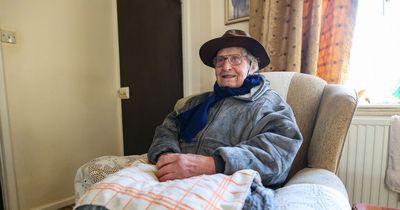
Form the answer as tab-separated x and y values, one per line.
323	113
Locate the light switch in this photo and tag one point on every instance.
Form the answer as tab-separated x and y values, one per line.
8	37
123	92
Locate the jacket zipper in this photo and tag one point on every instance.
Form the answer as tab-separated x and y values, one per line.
201	140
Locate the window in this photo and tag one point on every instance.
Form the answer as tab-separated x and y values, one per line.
374	69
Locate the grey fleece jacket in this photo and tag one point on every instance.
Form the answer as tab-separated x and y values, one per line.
254	131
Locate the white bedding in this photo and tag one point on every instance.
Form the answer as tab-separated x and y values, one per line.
136	187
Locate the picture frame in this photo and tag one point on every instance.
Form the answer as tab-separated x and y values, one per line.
236	11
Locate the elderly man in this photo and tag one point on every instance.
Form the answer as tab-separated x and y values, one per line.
242	124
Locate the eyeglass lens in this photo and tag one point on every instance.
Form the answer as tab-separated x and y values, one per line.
234	60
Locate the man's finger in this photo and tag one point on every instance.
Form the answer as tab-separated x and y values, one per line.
166	177
166	173
162	171
165	160
170	176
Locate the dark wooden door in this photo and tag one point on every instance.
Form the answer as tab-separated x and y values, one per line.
150	45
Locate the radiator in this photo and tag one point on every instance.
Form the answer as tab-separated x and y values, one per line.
363	163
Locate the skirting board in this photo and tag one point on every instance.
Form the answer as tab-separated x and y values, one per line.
58	204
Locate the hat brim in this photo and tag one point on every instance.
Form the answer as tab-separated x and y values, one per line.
209	49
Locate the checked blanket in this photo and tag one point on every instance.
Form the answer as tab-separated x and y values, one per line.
136	187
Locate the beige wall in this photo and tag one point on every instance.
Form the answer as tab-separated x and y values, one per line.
61	81
202	21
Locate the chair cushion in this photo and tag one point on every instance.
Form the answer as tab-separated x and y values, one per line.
313	197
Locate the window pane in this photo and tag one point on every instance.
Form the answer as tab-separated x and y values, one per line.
375	58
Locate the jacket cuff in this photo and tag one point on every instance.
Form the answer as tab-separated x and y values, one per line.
219	164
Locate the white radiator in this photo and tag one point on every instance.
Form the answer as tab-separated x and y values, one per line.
363	163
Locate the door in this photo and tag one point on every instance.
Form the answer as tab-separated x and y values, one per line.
150	45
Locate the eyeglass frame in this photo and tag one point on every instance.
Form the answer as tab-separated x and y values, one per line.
228	57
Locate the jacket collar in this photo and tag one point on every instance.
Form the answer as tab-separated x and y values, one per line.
257	91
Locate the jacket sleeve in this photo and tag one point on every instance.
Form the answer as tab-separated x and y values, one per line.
271	147
165	139
166	135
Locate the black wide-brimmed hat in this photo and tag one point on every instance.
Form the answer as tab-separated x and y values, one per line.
233	38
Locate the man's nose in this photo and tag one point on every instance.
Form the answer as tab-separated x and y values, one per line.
226	65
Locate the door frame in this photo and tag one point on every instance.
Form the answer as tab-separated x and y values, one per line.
195	73
186	46
8	178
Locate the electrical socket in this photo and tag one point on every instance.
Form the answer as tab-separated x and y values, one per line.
8	37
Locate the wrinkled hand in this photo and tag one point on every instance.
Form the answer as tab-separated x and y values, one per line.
180	166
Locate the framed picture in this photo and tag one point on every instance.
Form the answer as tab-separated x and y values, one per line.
236	11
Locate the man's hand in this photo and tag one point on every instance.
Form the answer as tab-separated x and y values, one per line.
180	166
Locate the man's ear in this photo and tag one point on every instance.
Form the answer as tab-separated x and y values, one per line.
253	66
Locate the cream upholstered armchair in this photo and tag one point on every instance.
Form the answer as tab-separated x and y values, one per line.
323	113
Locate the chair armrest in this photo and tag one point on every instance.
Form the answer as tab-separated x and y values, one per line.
336	111
318	176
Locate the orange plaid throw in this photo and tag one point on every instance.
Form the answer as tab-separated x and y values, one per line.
136	187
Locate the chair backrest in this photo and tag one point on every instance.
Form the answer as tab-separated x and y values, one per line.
323	113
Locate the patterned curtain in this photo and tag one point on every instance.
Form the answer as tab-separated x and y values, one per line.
308	36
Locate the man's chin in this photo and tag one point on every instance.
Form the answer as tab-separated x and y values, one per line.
228	85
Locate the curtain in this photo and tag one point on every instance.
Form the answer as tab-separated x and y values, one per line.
307	36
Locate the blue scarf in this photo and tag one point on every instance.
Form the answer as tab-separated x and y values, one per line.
194	120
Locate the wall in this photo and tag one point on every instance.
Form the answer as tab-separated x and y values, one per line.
61	81
60	106
202	20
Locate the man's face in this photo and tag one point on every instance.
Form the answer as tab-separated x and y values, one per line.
231	67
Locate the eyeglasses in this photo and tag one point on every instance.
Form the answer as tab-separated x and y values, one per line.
234	60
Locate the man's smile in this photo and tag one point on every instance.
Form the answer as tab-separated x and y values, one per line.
228	76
